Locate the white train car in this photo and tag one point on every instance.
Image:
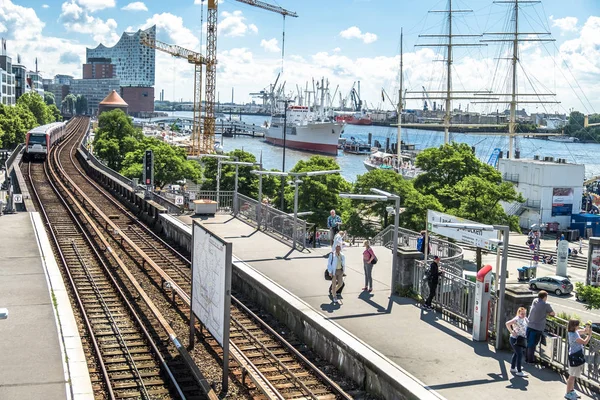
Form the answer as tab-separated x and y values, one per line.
39	140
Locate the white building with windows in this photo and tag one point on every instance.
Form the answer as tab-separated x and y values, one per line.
7	81
552	189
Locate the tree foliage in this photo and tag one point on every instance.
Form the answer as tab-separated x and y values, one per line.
588	294
15	121
49	98
35	103
575	127
81	105
115	137
318	194
68	104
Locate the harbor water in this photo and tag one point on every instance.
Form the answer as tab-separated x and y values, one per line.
352	165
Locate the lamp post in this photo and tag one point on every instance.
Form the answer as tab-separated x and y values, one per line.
235	186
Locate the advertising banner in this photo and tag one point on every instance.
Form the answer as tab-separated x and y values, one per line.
475	237
594	267
562	201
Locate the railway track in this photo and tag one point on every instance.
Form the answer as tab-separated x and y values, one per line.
124	359
263	362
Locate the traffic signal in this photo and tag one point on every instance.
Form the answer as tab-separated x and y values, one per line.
148	168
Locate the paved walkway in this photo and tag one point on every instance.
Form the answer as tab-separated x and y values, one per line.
432	349
32	353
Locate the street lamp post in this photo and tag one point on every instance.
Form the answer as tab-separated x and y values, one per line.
285	102
235	188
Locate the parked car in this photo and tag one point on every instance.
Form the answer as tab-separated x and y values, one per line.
553	284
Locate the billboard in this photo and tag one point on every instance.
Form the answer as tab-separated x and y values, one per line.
475	237
594	266
562	201
211	282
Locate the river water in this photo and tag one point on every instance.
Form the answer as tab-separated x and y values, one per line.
352	165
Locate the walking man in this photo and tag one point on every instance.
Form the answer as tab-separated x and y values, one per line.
333	223
537	322
434	276
336	268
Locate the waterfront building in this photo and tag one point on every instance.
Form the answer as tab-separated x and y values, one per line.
94	90
552	189
7	81
131	62
35	82
21	84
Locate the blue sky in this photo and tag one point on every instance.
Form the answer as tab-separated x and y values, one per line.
342	40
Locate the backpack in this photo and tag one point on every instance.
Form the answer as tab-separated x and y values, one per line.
420	241
374	257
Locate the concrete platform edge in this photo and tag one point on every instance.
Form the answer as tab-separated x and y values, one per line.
78	385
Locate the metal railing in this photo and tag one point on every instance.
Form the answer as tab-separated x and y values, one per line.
449	252
511	177
556	351
224	199
454	294
516	209
271	219
533	204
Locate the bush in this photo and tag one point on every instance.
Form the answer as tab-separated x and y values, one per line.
588	294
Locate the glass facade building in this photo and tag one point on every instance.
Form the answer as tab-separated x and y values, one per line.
94	90
7	81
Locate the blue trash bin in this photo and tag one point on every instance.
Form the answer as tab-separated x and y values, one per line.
521	272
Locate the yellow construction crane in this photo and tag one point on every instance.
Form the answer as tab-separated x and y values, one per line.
199	144
211	61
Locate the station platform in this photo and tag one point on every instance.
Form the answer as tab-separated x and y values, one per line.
426	345
41	356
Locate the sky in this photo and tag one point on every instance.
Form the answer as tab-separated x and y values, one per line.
342	41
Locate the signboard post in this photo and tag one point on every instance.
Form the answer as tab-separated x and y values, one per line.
562	258
149	171
211	289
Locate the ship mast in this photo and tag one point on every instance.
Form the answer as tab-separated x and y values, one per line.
514	95
399	138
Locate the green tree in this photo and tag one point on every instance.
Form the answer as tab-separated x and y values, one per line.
49	98
68	104
588	294
55	112
36	105
115	137
14	123
247	182
81	105
170	163
318	194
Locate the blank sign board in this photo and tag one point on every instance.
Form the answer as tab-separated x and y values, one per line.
211	286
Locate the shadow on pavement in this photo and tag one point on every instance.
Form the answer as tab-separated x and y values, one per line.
330	307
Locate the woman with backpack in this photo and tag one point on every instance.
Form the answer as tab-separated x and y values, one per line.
518	340
368	260
576	357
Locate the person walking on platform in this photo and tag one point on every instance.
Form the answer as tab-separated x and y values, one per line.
368	258
518	329
537	322
333	223
336	268
433	280
338	240
576	357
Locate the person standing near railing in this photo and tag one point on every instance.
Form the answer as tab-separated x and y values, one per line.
432	281
518	330
537	322
576	357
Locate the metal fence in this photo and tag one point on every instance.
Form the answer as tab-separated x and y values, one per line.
454	294
224	199
449	252
271	219
556	351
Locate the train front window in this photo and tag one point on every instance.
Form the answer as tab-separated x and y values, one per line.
37	139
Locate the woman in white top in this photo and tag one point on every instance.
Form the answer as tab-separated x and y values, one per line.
576	344
338	240
517	328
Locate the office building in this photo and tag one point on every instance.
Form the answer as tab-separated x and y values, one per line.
35	82
94	90
132	63
7	81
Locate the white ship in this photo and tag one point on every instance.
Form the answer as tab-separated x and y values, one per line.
305	131
563	139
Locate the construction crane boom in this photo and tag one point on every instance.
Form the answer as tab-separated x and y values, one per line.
198	60
270	7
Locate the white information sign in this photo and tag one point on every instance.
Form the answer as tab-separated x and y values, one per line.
179	200
192	195
211	285
562	258
17	198
474	237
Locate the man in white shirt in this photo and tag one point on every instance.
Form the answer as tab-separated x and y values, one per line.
338	240
336	268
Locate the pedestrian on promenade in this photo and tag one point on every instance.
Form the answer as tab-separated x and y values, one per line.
537	322
433	279
333	223
580	244
423	243
318	238
338	240
518	329
336	268
576	356
368	257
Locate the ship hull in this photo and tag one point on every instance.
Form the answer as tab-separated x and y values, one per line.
319	138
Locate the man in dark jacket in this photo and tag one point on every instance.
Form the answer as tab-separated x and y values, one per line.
434	276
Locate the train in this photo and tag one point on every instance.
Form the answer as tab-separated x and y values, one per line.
40	140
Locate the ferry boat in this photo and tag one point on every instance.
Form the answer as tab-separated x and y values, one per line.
354	146
563	139
305	130
354	119
389	161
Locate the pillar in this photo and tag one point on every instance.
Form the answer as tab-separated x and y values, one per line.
403	279
515	296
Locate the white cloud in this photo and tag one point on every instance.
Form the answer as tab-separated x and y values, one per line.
77	19
232	24
355	33
271	45
96	5
337	50
135	6
566	24
45	6
169	28
20	22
